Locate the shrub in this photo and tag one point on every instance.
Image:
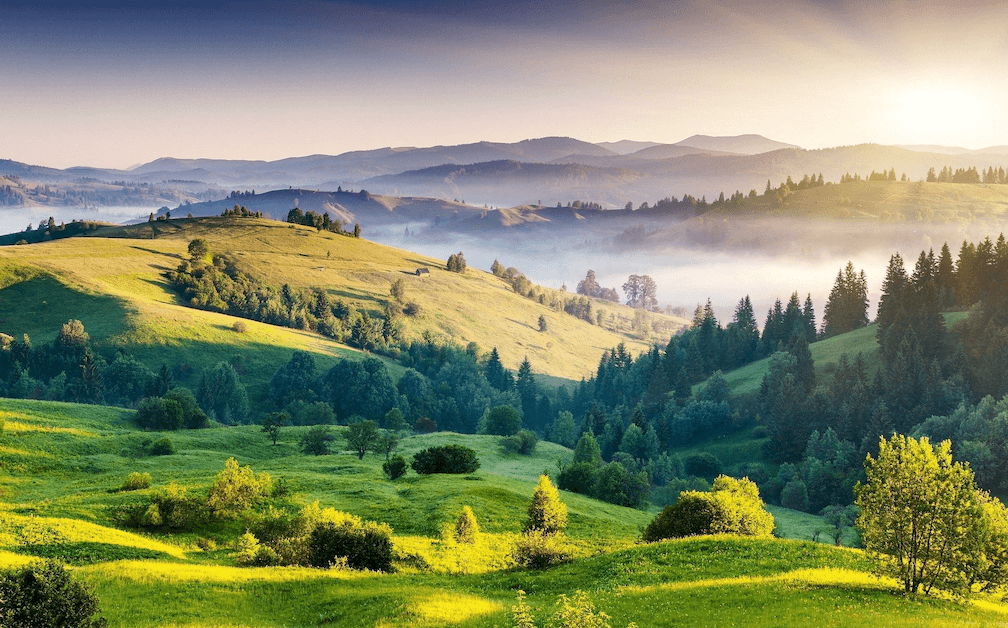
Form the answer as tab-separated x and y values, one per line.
546	514
240	327
616	485
524	443
238	488
251	553
161	447
795	495
760	431
445	459
412	309
578	477
703	465
537	550
425	425
2	424
395	467
158	414
136	481
466	527
363	544
317	440
733	507
179	510
44	595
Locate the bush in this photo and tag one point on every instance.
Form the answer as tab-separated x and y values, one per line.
238	488
412	309
158	414
546	514
43	595
425	425
524	443
445	459
161	447
136	481
795	495
578	477
537	550
703	465
363	544
733	507
240	327
317	441
193	416
395	467
251	553
466	527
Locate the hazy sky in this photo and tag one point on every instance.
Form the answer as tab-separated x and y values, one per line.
110	85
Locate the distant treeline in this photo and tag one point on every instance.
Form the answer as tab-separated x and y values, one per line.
322	223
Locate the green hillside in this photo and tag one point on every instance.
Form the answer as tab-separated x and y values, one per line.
115	283
62	466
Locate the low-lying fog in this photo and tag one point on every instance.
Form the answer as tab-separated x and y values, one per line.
14	219
691	261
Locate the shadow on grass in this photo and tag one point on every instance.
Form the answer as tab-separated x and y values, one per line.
89	553
39	307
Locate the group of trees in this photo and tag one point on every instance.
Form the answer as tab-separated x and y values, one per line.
967	175
238	211
221	286
322	223
456	263
590	287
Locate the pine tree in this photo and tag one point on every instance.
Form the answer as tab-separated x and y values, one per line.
946	278
546	514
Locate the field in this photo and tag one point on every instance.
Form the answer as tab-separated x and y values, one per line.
116	286
62	466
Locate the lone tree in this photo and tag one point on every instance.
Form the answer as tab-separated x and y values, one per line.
542	322
641	291
361	435
546	514
273	422
924	521
198	249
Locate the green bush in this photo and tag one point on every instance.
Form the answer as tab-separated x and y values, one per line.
43	595
237	488
536	550
362	544
466	526
546	514
179	510
159	414
732	507
445	459
703	465
251	553
136	481
501	421
161	447
395	467
193	416
317	441
524	443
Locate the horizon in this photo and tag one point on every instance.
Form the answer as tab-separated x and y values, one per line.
110	85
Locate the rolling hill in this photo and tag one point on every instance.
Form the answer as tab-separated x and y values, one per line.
114	282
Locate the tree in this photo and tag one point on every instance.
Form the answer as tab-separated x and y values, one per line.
546	514
222	395
589	286
466	526
456	263
273	422
360	436
394	420
386	442
198	249
641	291
44	595
317	440
920	512
501	421
398	290
542	322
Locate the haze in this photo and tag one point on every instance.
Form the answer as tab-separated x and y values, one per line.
114	86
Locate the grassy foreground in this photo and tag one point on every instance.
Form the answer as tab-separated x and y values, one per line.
61	466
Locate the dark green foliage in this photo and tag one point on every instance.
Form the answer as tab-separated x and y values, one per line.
578	477
587	450
847	306
159	414
222	395
524	443
193	416
161	447
425	425
616	485
361	388
364	545
502	421
703	465
198	249
395	467
445	459
295	381
321	222
394	420
317	441
361	435
127	380
273	422
44	595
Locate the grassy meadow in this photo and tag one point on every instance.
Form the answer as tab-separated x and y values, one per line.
116	285
62	467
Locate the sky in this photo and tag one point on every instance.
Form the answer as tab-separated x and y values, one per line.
112	85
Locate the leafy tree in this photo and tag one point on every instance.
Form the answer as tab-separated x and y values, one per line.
317	440
398	290
157	413
198	249
45	595
237	488
919	512
501	421
546	514
273	422
222	395
641	291
386	442
524	443
361	435
445	459
394	420
193	416
361	387
587	450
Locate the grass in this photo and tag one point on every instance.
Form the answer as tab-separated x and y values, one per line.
61	466
116	285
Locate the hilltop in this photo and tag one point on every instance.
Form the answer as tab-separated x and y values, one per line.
114	281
